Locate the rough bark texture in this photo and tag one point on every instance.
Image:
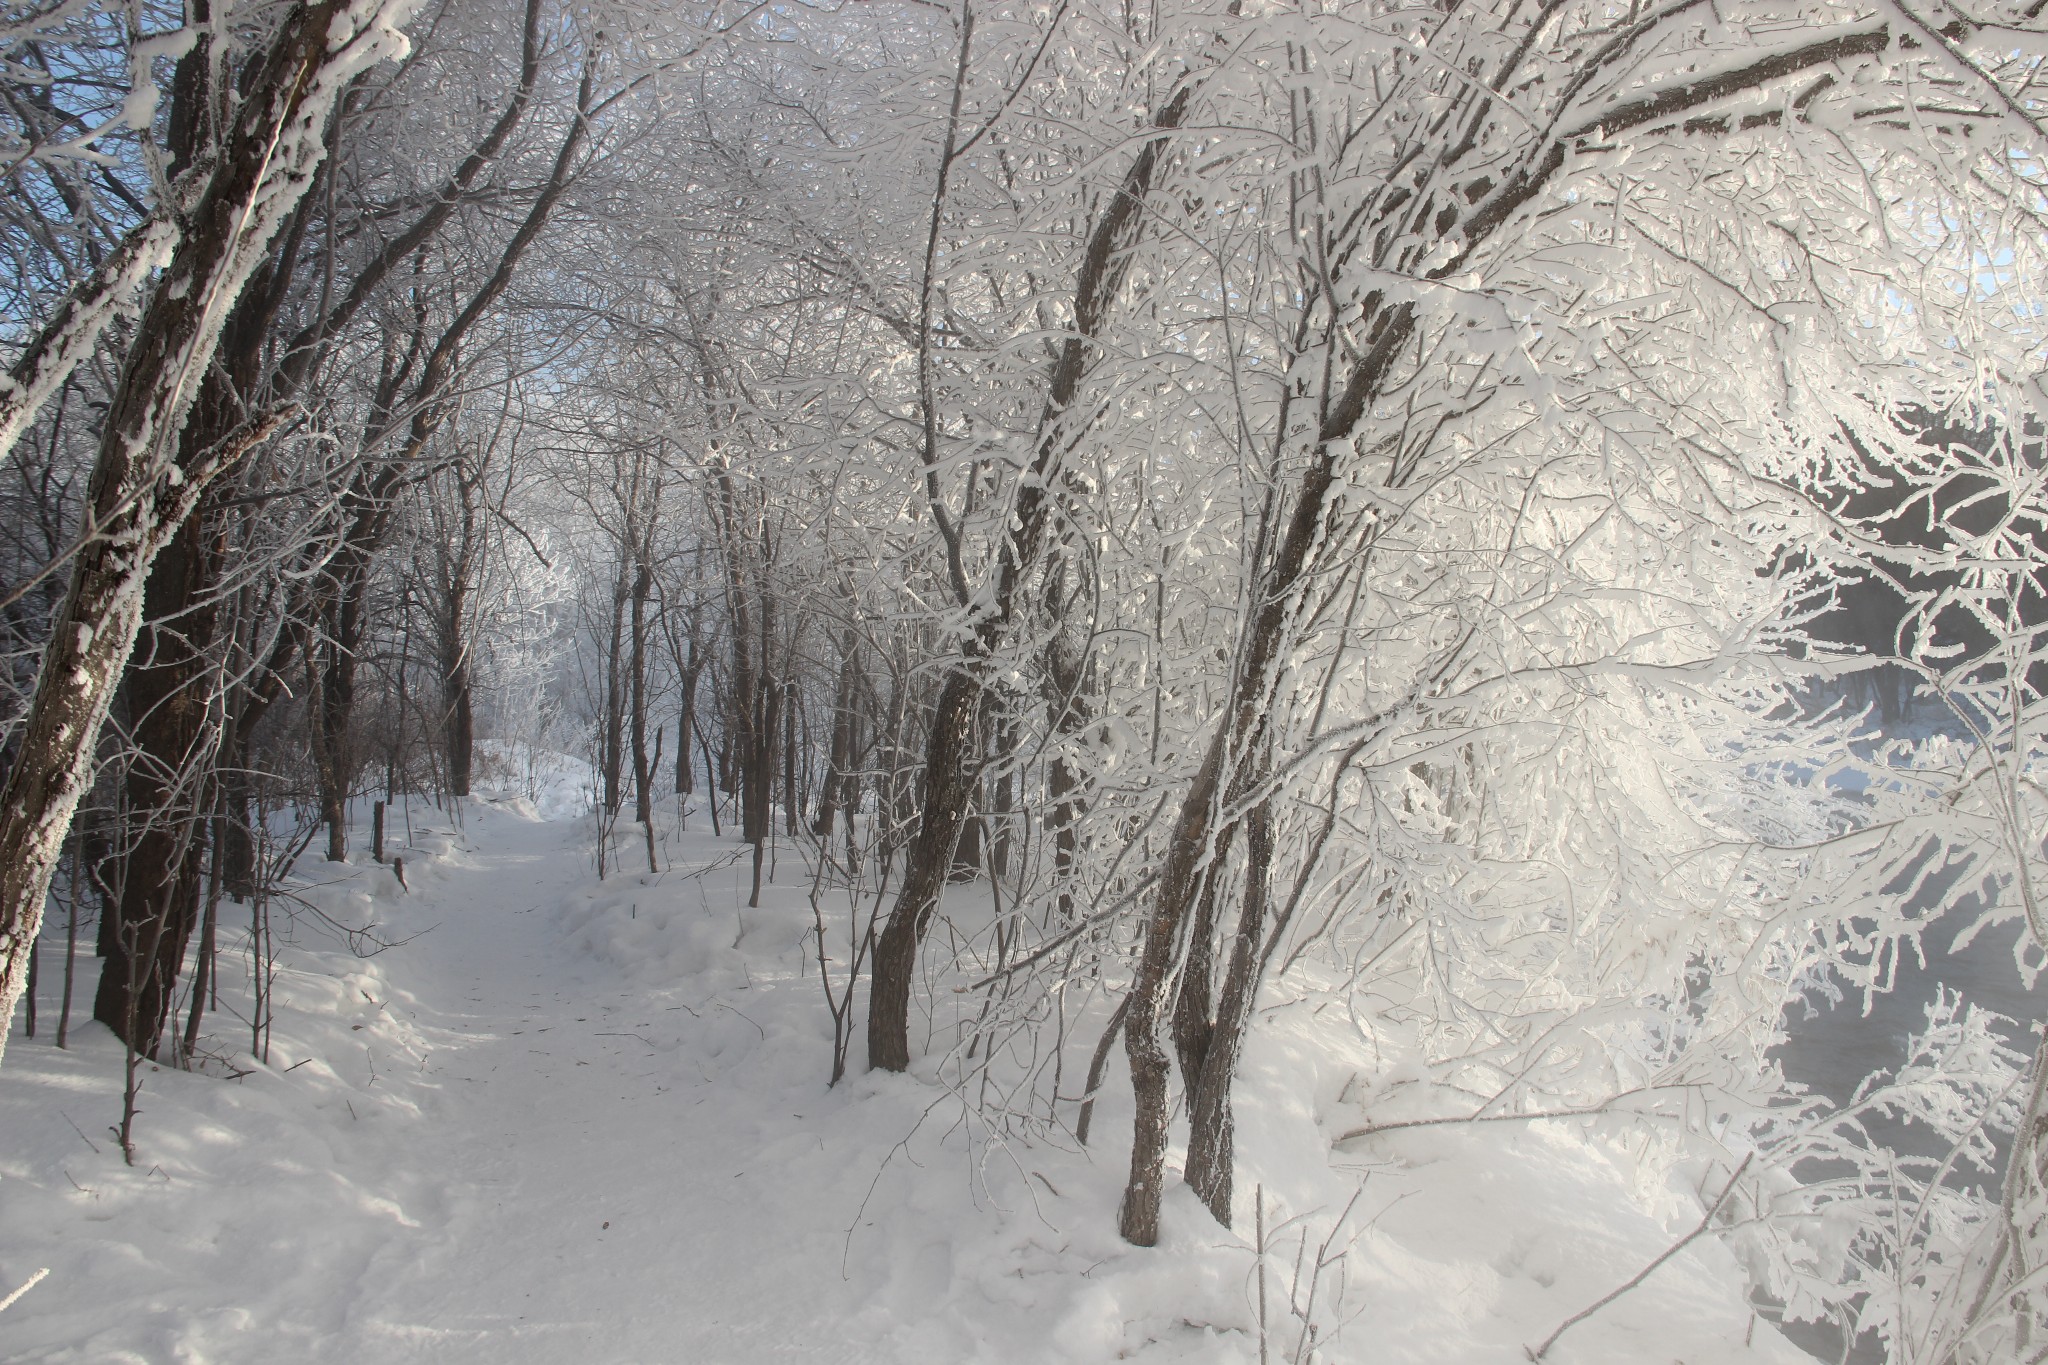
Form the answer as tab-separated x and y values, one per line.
174	728
948	786
1211	1127
173	733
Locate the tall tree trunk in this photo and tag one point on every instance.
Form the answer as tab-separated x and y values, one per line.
1212	1130
951	756
333	679
643	777
1194	835
457	698
612	739
757	777
686	783
168	781
137	498
839	757
792	774
173	726
948	784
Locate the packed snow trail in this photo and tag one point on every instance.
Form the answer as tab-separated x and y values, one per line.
537	1185
570	1121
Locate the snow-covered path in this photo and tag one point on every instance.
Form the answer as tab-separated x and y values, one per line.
590	1207
568	1121
528	1155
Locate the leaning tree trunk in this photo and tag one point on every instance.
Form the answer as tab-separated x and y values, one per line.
1487	167
1192	843
137	497
175	730
952	756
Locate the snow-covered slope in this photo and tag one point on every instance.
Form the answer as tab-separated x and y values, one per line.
585	1122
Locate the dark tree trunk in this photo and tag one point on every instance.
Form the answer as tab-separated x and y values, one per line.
792	791
686	782
948	789
334	701
643	777
839	757
952	763
173	724
612	741
1194	834
459	715
1212	1131
167	783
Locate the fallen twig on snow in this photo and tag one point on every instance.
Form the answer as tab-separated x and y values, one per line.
32	1282
1705	1221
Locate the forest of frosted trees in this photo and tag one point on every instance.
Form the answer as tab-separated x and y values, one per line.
1514	526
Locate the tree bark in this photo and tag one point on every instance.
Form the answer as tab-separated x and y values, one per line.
137	498
1194	836
457	694
168	779
686	782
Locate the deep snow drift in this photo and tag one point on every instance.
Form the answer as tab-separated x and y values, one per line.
583	1122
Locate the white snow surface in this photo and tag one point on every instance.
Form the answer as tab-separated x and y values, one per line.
584	1122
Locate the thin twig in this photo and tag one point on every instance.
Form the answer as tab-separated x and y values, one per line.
1592	1111
1647	1270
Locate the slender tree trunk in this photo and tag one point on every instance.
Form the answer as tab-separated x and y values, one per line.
792	792
334	692
839	758
459	713
1194	835
951	757
612	741
686	783
203	968
643	767
704	743
643	777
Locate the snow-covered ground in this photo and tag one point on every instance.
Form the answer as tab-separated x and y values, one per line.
583	1122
